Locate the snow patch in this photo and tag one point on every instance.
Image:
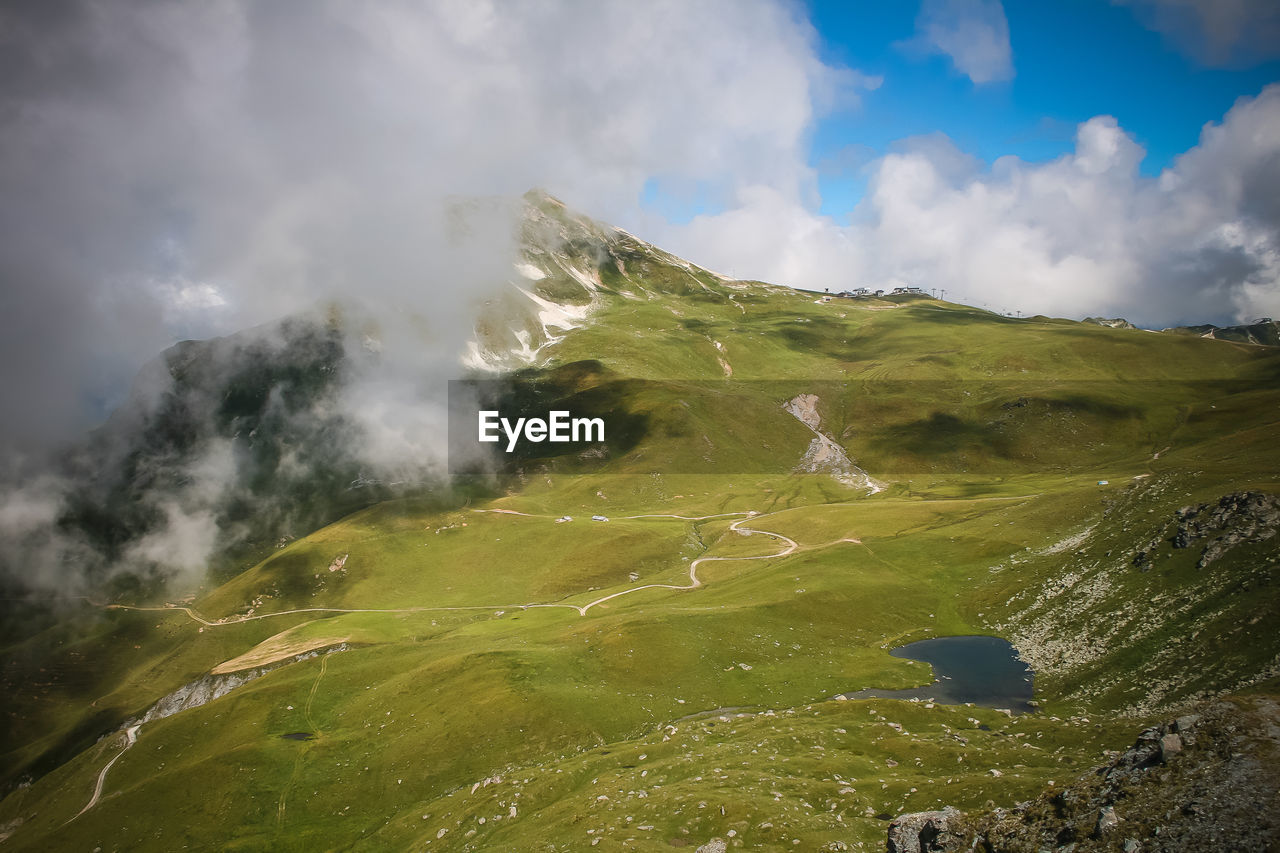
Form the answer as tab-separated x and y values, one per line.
550	315
589	280
475	358
530	272
554	315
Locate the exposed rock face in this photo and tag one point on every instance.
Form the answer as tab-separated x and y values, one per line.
199	692
824	455
214	686
1119	592
1207	781
1114	323
924	832
1237	518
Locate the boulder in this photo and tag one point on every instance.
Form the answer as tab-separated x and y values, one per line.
925	832
1170	745
1185	723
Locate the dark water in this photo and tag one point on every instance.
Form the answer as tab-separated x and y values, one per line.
299	736
983	670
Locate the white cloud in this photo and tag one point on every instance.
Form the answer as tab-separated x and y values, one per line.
193	169
974	33
190	169
1231	33
1083	234
295	151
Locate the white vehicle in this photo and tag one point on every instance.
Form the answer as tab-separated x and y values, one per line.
562	519
599	518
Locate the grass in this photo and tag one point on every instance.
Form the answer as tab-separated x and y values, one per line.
694	713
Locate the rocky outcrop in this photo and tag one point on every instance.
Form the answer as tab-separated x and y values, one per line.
824	455
1202	781
1112	323
1240	518
924	832
204	690
1237	519
199	692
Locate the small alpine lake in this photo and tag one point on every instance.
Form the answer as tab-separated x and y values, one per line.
985	671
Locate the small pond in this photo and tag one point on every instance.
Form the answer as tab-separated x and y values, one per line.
983	670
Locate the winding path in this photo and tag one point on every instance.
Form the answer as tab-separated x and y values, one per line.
790	546
694	582
131	737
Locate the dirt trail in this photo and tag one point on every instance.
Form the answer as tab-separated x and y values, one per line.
131	737
234	620
790	547
314	730
694	582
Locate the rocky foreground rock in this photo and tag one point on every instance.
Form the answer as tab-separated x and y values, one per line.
1206	781
921	832
1239	518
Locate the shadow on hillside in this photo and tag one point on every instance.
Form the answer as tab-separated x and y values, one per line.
942	434
586	389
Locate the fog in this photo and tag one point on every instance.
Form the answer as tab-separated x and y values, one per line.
174	171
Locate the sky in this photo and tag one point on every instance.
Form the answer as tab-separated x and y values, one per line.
172	170
1073	159
1045	68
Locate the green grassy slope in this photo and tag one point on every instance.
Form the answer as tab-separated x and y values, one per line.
507	684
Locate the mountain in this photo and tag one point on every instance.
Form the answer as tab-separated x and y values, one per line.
1263	331
788	488
224	446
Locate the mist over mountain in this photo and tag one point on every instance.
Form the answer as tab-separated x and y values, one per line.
236	444
927	365
173	172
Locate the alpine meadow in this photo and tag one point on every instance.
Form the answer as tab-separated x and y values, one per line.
448	516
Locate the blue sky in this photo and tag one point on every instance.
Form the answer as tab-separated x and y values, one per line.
1072	61
1074	158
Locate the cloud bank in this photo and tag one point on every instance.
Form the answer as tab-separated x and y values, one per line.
1085	233
973	33
1219	33
179	170
184	170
